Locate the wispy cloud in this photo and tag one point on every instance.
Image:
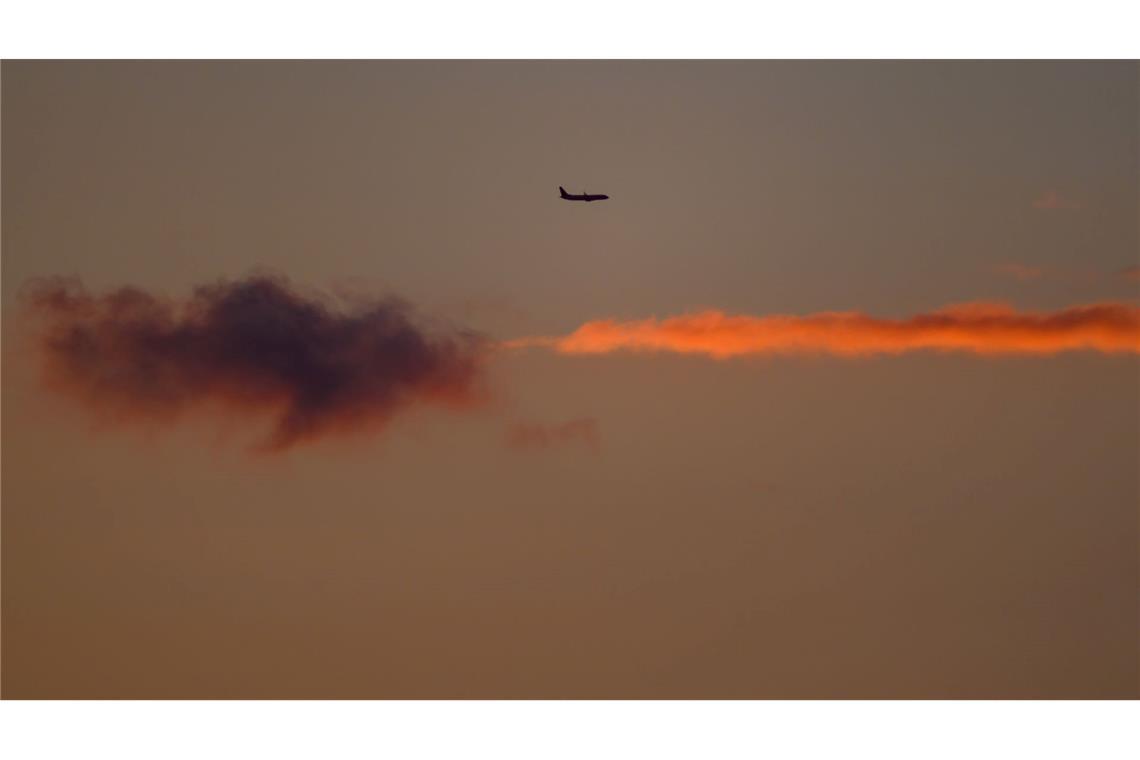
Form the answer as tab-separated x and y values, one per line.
977	328
536	435
253	346
1131	273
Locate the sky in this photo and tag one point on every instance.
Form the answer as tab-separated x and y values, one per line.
313	387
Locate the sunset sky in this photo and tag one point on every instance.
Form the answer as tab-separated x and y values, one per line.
313	386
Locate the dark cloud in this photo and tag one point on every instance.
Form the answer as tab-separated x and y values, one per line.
254	345
534	435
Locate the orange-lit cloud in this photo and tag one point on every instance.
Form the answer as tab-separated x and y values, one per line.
1131	273
978	328
253	347
533	435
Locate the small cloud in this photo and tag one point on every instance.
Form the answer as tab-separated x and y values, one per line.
1131	273
1052	200
1019	271
536	435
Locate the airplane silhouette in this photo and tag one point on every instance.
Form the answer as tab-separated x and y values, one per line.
583	197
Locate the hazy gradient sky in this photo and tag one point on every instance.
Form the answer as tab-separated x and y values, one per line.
645	525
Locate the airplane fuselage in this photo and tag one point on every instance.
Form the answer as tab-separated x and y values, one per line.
582	197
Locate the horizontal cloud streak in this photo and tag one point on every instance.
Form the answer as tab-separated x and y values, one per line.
978	328
252	346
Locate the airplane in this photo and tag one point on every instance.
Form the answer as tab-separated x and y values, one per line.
583	197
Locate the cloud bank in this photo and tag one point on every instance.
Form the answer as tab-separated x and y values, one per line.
977	328
252	346
258	347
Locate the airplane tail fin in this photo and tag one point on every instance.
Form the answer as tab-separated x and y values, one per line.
562	191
